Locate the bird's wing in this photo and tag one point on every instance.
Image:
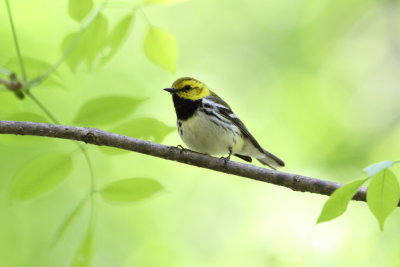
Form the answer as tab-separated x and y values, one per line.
227	113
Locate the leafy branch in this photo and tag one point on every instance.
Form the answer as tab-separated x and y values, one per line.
92	42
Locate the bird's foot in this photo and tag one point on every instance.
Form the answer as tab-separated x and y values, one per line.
228	158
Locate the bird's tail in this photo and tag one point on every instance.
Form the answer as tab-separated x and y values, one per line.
271	160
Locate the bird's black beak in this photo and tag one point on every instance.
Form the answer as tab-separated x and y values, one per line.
171	90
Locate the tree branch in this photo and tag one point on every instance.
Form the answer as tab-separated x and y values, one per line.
101	138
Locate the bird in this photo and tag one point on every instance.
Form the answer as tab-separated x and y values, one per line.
207	124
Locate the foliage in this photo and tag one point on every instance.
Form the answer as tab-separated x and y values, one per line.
94	42
383	194
295	73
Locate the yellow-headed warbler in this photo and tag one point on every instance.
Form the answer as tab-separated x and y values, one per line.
207	124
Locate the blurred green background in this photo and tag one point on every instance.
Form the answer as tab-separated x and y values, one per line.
316	82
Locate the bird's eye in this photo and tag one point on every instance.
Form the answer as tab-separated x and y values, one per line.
187	87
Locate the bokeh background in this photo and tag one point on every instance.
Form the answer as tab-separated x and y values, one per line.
316	82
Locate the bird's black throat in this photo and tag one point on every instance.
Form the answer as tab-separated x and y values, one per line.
185	108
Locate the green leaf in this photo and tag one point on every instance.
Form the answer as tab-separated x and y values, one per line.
144	128
337	203
118	35
68	221
75	55
373	169
79	9
107	109
130	190
40	176
120	31
86	46
160	48
383	195
84	255
95	37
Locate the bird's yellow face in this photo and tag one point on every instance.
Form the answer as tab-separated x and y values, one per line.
189	88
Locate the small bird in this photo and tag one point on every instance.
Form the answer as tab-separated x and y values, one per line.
207	124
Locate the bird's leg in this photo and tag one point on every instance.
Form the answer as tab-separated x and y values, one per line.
228	158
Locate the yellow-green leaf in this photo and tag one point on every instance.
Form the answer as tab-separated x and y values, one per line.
40	176
383	195
160	48
95	37
79	9
86	46
130	190
117	35
120	31
107	109
84	255
71	45
337	203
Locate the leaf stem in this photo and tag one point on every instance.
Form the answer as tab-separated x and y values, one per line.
42	107
16	43
146	19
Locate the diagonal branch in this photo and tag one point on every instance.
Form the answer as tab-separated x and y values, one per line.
101	138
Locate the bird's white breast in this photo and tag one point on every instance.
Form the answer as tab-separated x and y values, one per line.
208	134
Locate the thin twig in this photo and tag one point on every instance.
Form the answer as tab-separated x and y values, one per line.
101	138
16	43
42	107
